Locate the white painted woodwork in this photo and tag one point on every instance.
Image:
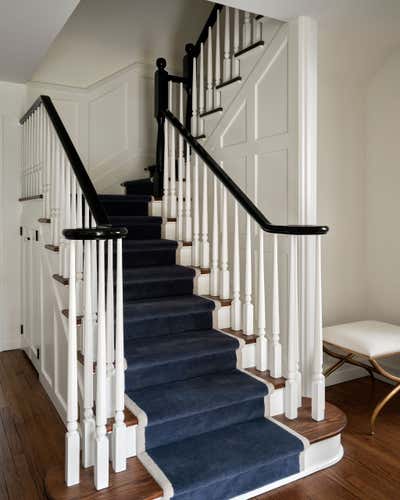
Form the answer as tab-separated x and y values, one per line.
88	427
318	380
110	308
276	348
119	445
188	198
214	273
224	290
72	440
217	78
101	452
246	37
210	81
62	248
227	70
236	43
292	381
236	305
248	308
165	201
196	214
179	217
200	130
205	245
195	112
262	345
172	137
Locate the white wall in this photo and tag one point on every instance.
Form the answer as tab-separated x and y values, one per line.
382	192
12	101
103	36
341	199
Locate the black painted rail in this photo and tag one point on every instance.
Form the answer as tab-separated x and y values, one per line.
86	185
235	190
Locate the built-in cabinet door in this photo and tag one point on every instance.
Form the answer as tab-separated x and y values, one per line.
31	293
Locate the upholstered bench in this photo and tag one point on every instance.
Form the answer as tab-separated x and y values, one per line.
371	340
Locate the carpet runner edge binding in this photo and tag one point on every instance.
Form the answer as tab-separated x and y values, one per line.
202	430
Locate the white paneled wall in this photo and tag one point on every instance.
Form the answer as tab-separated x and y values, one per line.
111	123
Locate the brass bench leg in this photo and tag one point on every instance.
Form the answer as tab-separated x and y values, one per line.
388	397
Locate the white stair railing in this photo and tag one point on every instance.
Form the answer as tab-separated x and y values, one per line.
88	249
251	306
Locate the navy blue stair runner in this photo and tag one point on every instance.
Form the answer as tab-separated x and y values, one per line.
206	428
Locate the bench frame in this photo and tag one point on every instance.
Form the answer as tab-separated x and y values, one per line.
372	367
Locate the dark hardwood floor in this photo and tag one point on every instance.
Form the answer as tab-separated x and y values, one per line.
32	437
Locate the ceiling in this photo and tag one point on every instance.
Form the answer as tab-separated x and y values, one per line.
27	29
355	36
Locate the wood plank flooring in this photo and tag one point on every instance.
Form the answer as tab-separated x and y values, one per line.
32	437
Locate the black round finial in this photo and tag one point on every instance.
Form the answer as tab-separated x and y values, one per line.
189	48
161	63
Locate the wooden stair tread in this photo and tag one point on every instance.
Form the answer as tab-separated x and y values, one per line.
334	423
27	198
249	339
211	112
61	279
223	302
251	47
53	248
278	383
130	419
79	317
135	482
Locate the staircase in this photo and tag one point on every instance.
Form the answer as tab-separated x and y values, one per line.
173	332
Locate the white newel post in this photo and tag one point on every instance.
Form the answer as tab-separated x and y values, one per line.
248	308
119	429
318	379
262	345
236	305
72	440
276	348
101	472
292	381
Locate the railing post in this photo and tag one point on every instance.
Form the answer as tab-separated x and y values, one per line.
160	105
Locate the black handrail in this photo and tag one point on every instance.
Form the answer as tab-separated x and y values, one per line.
212	19
235	190
96	233
86	185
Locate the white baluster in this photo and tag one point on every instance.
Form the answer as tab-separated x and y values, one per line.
119	428
246	30
256	30
236	43
276	348
194	121
318	380
179	219
166	173
262	346
101	473
201	91
67	210
248	308
94	271
72	445
205	245
172	199
196	214
88	428
227	47
224	292
217	93
62	214
236	306
48	167
291	387
188	198
57	155
110	307
209	93
214	275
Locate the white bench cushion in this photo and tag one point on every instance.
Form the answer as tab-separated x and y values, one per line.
369	338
